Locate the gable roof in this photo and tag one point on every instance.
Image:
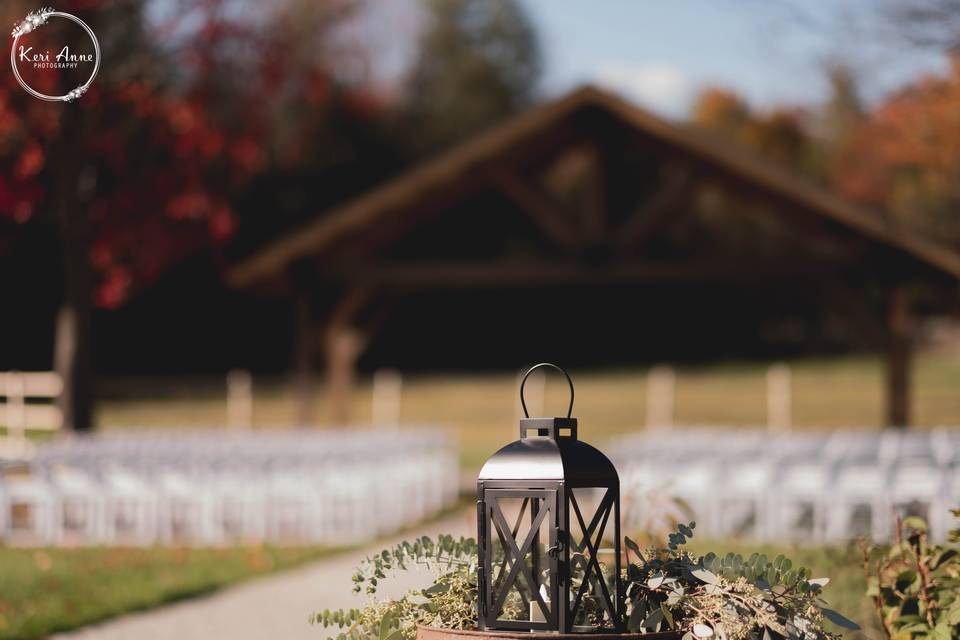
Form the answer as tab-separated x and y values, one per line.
419	182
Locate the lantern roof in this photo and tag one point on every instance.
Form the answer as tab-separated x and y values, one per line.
551	455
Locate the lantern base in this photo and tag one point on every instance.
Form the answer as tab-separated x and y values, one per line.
438	633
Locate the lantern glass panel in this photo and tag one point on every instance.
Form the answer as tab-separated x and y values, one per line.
592	552
521	527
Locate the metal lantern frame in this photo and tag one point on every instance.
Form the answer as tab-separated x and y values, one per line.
542	469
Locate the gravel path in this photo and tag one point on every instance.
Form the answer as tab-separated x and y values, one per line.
272	608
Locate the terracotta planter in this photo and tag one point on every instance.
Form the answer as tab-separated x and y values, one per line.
434	633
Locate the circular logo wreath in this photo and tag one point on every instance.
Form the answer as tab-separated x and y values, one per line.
37	19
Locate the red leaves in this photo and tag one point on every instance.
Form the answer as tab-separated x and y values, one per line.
363	103
113	288
192	205
249	91
30	161
246	154
222	224
18	198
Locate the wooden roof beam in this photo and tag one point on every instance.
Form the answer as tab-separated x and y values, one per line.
444	274
548	215
656	212
596	212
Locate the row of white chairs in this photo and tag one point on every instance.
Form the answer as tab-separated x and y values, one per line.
209	488
806	487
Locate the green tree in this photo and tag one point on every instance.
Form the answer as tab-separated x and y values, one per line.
477	63
844	110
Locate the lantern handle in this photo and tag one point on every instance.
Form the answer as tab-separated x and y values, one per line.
523	382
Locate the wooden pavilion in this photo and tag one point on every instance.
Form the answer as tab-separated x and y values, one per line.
586	191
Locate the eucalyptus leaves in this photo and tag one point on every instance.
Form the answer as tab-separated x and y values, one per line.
729	598
451	601
720	598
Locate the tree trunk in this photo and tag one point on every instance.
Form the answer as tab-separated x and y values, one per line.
72	346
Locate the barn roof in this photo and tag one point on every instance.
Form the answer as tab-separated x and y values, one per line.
454	166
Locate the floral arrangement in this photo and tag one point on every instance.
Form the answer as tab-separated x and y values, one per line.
667	589
728	598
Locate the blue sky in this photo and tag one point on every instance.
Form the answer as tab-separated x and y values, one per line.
660	53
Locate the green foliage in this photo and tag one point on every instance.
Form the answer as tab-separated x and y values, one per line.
451	601
725	597
915	586
729	597
447	552
478	62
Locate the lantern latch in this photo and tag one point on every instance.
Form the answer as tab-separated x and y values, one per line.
555	550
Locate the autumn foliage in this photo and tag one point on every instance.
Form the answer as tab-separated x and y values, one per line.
165	142
778	135
905	157
899	159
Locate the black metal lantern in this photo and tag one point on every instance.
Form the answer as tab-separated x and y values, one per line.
544	503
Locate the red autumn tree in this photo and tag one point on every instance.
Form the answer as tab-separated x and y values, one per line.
146	167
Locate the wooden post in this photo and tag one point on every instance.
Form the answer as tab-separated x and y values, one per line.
239	399
387	398
343	346
344	343
661	382
898	358
303	353
779	382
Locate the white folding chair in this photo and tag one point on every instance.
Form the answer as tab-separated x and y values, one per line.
292	507
858	503
796	504
185	510
79	510
917	489
130	509
29	507
696	487
743	499
239	510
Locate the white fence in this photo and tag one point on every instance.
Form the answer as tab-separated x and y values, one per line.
18	415
804	487
222	487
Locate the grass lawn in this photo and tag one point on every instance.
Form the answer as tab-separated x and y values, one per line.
47	590
481	410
